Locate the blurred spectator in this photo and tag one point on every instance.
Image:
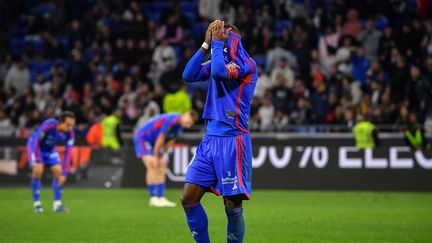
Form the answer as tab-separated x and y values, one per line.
414	136
319	103
360	66
418	90
281	120
281	93
18	77
171	31
352	25
327	47
282	71
79	73
266	114
164	55
178	102
370	38
263	84
209	9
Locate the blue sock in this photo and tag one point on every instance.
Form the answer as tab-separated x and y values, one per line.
153	190
236	225
198	222
161	190
36	188
57	189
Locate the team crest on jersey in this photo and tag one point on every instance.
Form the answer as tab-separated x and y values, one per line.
230	113
232	69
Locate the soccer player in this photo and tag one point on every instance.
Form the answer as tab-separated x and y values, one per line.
223	160
42	153
151	140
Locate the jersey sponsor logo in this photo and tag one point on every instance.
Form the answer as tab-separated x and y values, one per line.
229	113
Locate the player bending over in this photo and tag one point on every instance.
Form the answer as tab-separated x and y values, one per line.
42	153
151	140
223	160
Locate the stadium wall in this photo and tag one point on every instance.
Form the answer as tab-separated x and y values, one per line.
325	162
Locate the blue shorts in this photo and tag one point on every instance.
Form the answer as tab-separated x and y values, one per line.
142	148
48	158
223	165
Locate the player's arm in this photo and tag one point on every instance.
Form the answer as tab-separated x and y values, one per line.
68	153
195	69
160	141
169	144
219	70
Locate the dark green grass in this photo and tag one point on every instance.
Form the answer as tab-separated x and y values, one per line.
271	216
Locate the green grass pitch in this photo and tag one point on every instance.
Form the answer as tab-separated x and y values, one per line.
114	215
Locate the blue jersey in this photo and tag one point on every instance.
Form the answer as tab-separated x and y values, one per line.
167	124
41	144
232	75
223	160
146	136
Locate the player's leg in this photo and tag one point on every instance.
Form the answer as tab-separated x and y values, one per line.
36	185
234	212
199	176
195	214
152	179
161	180
57	185
234	181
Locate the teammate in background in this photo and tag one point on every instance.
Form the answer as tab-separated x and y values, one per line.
223	160
42	153
414	135
365	133
151	140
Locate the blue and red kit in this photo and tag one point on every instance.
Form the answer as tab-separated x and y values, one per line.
223	161
146	136
41	145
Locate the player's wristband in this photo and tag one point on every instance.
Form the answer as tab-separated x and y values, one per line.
205	46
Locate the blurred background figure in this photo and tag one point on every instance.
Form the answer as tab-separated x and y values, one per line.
365	133
415	136
111	133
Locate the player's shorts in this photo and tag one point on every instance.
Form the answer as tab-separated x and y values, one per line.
47	158
223	165
142	148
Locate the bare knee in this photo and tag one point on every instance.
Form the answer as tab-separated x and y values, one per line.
37	171
232	202
192	194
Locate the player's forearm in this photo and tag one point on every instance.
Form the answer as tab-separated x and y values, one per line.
218	70
67	159
159	145
193	67
168	145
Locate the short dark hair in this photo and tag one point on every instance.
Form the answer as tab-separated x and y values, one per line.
66	114
233	27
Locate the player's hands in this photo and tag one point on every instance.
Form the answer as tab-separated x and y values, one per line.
208	36
218	32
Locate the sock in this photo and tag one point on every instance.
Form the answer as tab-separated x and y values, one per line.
153	190
198	222
57	189
236	225
36	188
161	190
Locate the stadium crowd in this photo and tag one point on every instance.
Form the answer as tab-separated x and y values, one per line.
320	62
